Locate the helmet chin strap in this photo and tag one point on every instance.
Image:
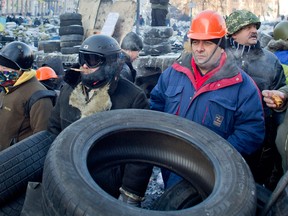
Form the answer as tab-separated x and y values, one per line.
218	44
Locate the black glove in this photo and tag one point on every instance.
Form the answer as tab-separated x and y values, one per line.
71	76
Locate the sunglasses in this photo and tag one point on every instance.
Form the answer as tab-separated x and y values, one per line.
91	60
8	76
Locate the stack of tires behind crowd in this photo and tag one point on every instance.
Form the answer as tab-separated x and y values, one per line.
156	40
71	32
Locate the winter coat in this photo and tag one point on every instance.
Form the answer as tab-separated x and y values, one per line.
228	103
127	95
128	70
282	136
15	126
267	72
280	49
71	106
260	64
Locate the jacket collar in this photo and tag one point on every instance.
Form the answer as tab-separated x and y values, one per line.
243	49
229	69
25	77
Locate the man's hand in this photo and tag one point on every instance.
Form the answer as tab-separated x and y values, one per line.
270	101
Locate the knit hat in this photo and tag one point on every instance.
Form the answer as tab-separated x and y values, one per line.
8	63
222	43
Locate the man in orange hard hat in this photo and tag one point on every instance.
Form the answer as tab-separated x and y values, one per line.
203	85
48	77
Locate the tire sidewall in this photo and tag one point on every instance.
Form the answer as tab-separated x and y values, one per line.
233	191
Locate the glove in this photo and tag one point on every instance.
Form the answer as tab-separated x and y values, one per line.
71	76
129	198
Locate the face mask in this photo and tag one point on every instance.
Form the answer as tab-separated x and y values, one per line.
8	78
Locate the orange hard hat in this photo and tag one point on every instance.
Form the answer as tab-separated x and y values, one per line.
45	73
207	25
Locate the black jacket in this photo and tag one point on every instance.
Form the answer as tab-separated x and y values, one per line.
128	70
261	64
125	95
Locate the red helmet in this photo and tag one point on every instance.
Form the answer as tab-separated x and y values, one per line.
45	73
207	25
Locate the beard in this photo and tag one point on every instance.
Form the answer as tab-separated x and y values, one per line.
95	79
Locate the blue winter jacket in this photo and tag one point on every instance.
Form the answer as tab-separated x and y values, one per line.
229	103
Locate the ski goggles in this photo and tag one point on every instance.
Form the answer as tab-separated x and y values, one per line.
91	60
8	76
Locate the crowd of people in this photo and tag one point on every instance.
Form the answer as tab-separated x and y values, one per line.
29	20
226	81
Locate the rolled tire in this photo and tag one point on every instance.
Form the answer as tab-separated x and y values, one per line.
70	22
21	163
180	196
70	43
72	37
109	138
51	46
156	50
70	50
70	16
14	207
155	40
72	29
159	32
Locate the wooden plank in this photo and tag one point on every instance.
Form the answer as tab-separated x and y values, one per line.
127	16
110	24
95	12
88	9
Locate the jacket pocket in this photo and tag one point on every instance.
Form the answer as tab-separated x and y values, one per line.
219	115
173	97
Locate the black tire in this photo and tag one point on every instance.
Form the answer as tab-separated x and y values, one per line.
70	16
70	43
180	196
155	41
21	163
109	138
159	32
72	37
72	29
70	50
163	2
70	22
51	46
156	50
14	207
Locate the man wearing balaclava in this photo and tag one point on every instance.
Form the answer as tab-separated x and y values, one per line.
18	83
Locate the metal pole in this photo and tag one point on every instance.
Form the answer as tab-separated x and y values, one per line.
137	16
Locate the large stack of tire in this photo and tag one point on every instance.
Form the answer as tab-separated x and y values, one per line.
156	40
155	43
71	32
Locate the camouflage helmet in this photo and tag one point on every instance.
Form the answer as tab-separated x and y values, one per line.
281	31
239	19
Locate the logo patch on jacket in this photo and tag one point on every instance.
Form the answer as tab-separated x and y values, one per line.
218	120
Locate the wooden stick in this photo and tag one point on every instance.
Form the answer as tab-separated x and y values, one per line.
76	69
